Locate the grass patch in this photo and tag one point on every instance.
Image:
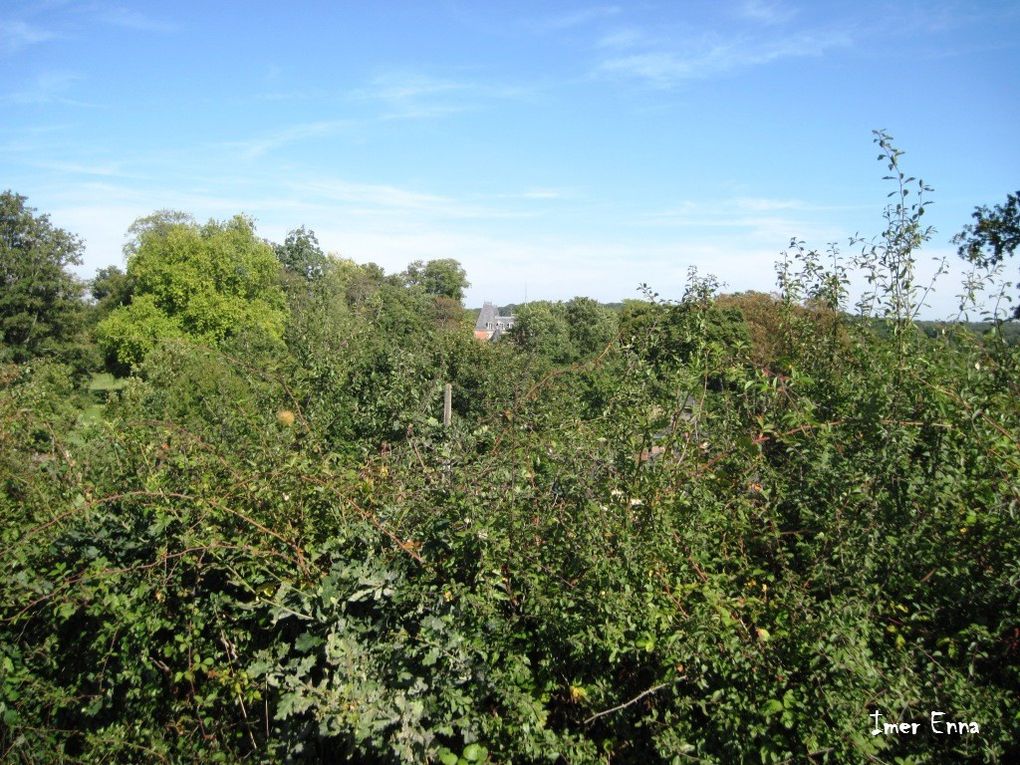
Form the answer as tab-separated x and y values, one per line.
104	381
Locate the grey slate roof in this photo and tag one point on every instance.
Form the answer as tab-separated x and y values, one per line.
486	317
490	321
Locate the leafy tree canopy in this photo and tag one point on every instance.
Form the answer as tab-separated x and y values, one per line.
444	277
564	332
200	281
994	235
111	288
301	254
542	328
591	324
39	298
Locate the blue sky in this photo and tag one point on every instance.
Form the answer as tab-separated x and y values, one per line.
557	148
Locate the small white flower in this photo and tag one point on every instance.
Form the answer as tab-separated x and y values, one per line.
635	503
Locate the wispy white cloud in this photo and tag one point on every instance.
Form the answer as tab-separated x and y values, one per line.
397	94
366	200
17	35
762	204
102	169
134	19
536	194
576	18
546	193
291	94
402	87
47	88
370	194
623	39
765	11
414	95
411	95
26	142
258	146
711	54
756	219
693	211
934	18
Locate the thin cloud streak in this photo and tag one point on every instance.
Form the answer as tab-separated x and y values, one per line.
577	18
18	35
397	87
111	170
542	193
412	95
623	39
712	55
133	19
751	219
48	88
259	146
765	12
365	199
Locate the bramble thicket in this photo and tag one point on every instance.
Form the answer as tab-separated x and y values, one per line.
718	529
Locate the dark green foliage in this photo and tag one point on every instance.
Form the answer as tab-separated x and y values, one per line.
40	300
994	235
542	329
111	288
563	332
592	326
693	331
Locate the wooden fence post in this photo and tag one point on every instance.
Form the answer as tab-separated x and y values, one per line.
447	404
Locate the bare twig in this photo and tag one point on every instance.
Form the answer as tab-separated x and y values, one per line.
634	700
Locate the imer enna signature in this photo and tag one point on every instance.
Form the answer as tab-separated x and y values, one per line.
936	721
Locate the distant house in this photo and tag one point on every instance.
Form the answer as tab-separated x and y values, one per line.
490	325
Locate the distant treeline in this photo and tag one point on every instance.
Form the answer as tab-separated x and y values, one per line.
1008	331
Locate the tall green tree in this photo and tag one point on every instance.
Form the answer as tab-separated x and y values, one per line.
206	282
301	254
542	328
994	235
444	277
110	288
591	324
40	299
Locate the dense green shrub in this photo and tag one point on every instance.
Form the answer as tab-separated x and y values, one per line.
730	535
